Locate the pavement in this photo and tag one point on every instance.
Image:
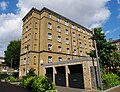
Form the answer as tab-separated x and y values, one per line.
114	89
6	87
68	89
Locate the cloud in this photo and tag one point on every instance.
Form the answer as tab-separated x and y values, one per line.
90	13
112	31
3	5
118	1
107	32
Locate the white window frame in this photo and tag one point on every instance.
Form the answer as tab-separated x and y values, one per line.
58	19
59	58
59	38
73	26
66	23
59	49
74	43
73	34
66	32
68	51
67	41
49	26
74	52
49	59
49	36
49	47
80	44
81	53
58	29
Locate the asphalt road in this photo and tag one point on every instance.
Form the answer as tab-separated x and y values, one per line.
6	87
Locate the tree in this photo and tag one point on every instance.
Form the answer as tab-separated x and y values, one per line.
104	48
13	54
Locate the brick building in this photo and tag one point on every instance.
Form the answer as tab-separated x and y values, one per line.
52	43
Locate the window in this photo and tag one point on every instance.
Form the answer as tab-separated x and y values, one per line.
66	23
49	16
74	43
79	29
49	26
58	19
49	47
73	26
59	38
74	51
68	51
84	38
49	59
59	58
34	60
35	36
80	44
67	41
89	46
85	45
73	34
59	49
80	53
26	28
79	36
68	58
49	36
66	32
58	29
24	60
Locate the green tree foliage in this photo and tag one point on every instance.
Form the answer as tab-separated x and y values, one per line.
13	52
105	49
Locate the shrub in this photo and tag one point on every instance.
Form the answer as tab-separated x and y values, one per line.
42	84
3	75
10	78
26	82
110	80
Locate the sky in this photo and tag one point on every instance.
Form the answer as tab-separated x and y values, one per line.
89	13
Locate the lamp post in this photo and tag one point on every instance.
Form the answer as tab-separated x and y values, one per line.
11	66
98	65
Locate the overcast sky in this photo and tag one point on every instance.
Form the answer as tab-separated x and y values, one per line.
89	13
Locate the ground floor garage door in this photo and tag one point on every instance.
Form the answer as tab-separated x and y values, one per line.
49	73
60	78
76	76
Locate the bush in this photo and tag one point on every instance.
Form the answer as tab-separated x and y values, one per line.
10	78
38	84
42	84
26	82
110	80
3	75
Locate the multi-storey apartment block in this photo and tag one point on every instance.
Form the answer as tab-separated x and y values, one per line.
48	37
116	43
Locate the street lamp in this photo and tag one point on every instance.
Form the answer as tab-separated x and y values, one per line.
98	65
11	66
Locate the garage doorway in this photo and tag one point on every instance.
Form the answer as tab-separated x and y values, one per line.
76	76
60	78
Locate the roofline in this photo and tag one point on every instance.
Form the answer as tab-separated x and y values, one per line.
70	61
44	9
1	57
115	41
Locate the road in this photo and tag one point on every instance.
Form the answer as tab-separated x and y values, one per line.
6	87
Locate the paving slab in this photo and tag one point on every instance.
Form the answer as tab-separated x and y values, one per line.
6	87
